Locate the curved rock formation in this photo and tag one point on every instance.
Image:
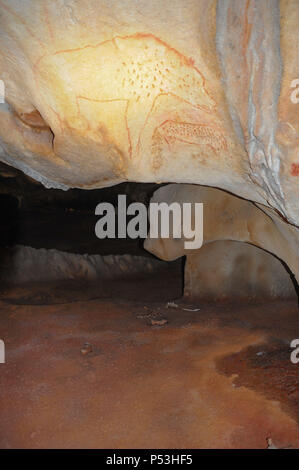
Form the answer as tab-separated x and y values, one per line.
232	270
27	265
230	218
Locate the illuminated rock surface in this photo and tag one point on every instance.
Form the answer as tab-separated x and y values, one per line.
227	217
194	91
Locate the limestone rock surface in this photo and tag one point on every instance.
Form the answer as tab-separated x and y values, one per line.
187	91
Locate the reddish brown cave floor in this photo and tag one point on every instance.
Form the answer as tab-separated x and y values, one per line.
194	382
266	368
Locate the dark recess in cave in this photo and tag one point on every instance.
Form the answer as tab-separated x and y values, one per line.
36	217
51	218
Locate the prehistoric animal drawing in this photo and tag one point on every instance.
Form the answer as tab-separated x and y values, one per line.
135	70
194	134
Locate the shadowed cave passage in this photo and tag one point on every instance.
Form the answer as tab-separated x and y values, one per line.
48	236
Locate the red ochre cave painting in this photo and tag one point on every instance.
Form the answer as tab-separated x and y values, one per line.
134	70
295	169
193	134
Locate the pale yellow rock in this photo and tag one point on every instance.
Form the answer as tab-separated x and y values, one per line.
233	270
227	217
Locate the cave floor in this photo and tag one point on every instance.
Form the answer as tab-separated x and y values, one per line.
151	377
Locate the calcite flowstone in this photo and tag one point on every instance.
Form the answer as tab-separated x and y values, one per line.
26	264
189	91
